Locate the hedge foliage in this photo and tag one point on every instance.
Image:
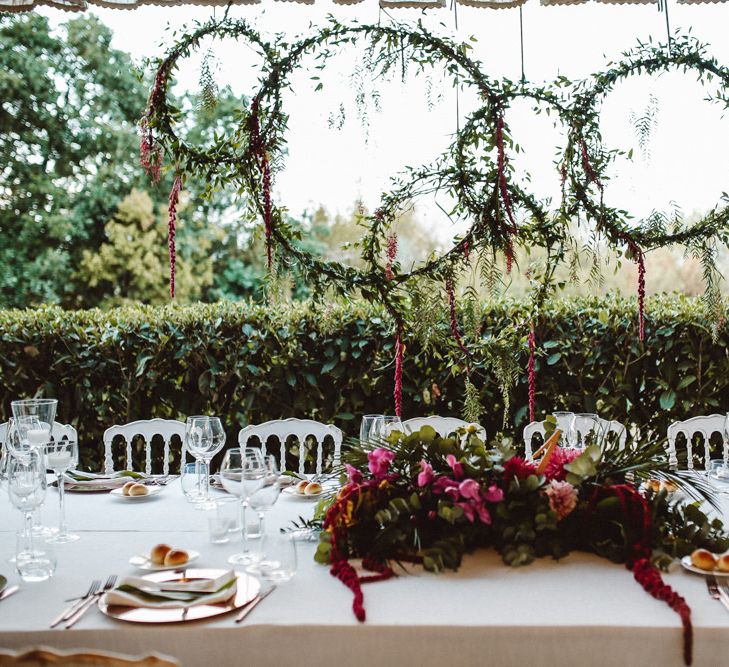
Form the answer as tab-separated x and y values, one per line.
333	363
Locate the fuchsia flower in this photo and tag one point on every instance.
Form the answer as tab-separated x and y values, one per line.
379	461
562	498
519	467
354	475
426	476
456	466
560	458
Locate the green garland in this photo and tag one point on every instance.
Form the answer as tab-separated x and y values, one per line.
475	171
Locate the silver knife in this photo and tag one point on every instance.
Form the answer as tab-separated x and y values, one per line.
9	591
249	607
712	586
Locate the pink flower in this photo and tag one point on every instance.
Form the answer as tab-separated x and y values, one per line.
379	461
560	457
493	494
426	476
456	466
518	467
354	475
562	498
444	485
469	488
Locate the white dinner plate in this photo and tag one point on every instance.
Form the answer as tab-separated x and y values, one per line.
153	491
686	562
293	493
144	563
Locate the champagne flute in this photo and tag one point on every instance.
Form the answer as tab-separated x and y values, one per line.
241	472
204	437
61	455
27	491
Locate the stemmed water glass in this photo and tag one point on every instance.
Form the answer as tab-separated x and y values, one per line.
565	424
61	455
27	491
204	437
242	473
34	420
262	501
585	430
377	427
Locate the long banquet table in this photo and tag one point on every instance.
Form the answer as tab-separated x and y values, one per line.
579	611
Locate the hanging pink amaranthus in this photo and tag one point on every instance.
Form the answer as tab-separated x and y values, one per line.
589	171
171	223
466	249
398	374
455	330
150	155
638	256
531	372
504	190
259	151
391	254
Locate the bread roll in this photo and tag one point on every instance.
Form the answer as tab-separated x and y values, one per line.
703	559
723	563
312	489
126	487
158	553
301	486
176	557
138	490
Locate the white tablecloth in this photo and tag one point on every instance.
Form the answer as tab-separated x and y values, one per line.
579	611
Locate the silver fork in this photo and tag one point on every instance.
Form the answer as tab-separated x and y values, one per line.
722	591
87	604
71	609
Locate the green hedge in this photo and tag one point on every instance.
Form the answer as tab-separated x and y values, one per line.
252	363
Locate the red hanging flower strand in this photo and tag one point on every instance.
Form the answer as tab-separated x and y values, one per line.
171	224
504	190
589	171
398	374
391	254
455	330
635	508
150	155
532	375
638	257
466	249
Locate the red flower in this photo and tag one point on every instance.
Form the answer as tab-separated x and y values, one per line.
519	467
560	458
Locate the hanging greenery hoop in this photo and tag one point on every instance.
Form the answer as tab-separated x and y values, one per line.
476	171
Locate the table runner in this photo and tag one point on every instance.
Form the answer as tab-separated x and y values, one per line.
581	610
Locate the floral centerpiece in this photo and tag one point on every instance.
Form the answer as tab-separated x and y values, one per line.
429	500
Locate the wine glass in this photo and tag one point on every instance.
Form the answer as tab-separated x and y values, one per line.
61	455
242	473
382	426
204	437
565	423
262	501
27	490
586	430
367	425
34	420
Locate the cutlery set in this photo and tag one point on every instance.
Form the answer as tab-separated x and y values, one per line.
718	591
72	614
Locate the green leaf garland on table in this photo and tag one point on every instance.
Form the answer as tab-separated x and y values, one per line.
424	499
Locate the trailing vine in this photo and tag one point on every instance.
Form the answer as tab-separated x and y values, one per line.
476	171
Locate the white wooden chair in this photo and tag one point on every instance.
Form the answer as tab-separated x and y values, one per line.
146	429
60	432
443	426
45	655
704	425
609	426
282	429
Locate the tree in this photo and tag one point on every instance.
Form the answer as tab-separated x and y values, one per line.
132	266
69	104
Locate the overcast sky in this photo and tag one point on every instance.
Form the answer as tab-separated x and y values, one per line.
688	159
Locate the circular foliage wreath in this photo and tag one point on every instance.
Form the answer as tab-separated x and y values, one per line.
476	171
